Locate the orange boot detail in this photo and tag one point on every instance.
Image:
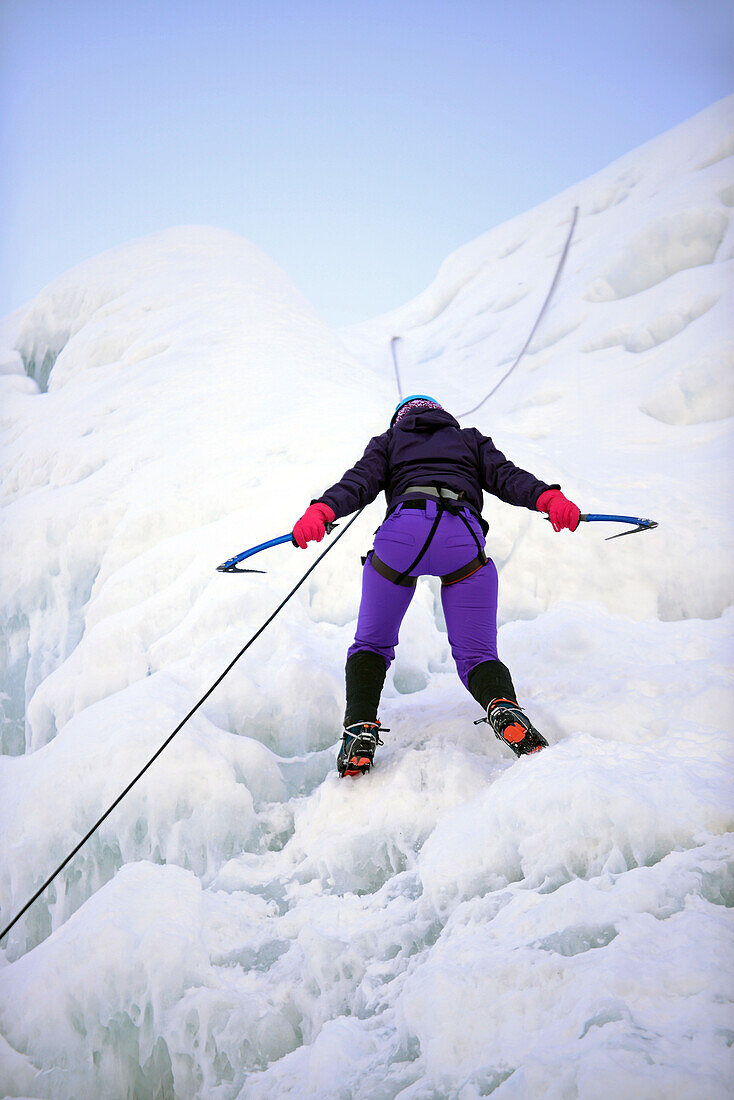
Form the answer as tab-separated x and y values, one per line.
512	725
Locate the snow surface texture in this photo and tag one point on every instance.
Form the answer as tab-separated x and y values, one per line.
457	923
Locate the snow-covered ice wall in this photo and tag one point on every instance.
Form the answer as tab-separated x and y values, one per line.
456	924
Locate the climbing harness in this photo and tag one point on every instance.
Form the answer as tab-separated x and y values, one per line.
179	727
447	501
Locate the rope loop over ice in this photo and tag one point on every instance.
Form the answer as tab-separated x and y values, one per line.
551	291
538	319
179	727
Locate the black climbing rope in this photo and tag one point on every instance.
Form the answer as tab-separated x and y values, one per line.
180	726
393	349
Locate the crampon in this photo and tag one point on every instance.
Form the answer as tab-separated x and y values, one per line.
513	727
357	752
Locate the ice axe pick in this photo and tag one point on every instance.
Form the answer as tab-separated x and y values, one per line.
230	566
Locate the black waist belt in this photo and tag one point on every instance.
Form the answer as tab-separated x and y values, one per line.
446	499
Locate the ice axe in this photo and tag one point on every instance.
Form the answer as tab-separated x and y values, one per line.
230	566
639	524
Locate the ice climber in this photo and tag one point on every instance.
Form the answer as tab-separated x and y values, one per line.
433	473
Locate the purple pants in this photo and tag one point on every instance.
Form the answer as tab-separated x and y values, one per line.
470	606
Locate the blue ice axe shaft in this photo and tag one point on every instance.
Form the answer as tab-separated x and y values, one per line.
230	566
639	524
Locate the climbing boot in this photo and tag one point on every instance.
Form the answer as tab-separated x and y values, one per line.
512	726
357	752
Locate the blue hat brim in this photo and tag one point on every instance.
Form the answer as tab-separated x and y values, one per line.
407	400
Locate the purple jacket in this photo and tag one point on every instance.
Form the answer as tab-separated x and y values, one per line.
427	448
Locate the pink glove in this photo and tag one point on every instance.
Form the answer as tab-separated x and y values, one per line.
561	512
312	524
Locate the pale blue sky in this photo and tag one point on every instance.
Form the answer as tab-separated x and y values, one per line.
357	142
